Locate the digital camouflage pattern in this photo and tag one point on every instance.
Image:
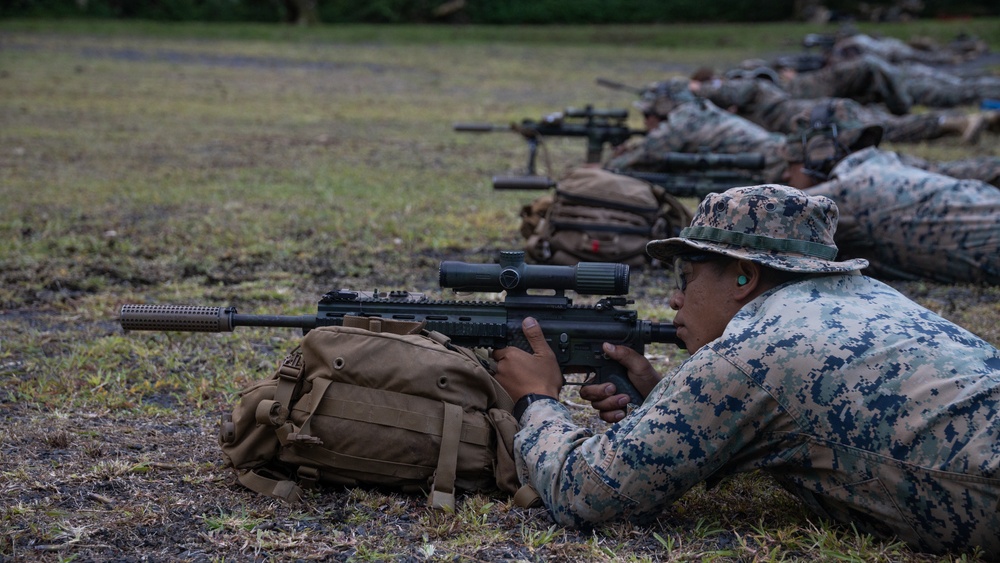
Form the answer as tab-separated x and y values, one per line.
696	126
871	409
865	79
890	49
774	109
937	88
776	226
910	223
983	168
660	98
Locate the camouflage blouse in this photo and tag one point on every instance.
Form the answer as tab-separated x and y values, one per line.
699	126
910	223
870	408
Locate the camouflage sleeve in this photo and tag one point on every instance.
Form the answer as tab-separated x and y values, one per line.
647	153
727	94
627	159
690	426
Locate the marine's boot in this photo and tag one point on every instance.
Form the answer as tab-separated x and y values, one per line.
970	127
992	120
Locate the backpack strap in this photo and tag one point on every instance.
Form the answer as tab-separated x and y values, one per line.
527	497
443	488
289	377
284	489
378	324
302	435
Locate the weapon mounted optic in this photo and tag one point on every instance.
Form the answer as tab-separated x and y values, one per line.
512	275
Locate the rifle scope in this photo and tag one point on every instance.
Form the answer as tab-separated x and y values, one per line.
589	111
708	161
511	274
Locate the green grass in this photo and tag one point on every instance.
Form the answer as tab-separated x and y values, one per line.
755	36
260	166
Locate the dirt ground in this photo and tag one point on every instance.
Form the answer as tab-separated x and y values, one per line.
104	485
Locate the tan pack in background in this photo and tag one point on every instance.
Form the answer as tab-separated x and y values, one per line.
353	406
599	216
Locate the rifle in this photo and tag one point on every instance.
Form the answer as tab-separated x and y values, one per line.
702	177
598	126
574	332
620	86
808	61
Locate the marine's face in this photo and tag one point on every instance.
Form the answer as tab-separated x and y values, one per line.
651	120
795	176
703	302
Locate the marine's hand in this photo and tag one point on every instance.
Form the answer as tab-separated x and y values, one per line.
520	373
603	397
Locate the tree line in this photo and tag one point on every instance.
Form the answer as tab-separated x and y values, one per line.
493	12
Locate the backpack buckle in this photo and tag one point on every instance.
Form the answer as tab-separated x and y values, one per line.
291	367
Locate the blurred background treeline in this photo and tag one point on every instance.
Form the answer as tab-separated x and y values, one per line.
497	12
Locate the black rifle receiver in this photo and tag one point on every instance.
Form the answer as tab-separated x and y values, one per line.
575	333
599	127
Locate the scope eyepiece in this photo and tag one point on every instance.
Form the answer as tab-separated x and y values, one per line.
511	274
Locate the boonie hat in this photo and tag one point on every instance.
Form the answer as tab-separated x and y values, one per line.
771	225
662	97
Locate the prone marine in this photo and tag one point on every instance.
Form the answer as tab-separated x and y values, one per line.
871	409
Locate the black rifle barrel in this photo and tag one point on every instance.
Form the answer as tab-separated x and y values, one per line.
480	127
523	183
197	318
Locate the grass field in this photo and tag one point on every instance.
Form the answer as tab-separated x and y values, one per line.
260	166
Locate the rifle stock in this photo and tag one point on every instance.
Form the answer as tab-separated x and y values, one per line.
575	333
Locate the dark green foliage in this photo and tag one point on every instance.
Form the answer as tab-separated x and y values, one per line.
157	10
508	12
377	11
931	8
624	11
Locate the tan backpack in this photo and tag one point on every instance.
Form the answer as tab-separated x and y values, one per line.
386	405
598	216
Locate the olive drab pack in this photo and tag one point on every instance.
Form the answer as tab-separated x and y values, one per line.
599	216
380	403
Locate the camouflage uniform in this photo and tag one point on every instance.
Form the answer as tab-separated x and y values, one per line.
699	125
866	79
936	88
868	407
890	49
767	105
983	168
910	223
